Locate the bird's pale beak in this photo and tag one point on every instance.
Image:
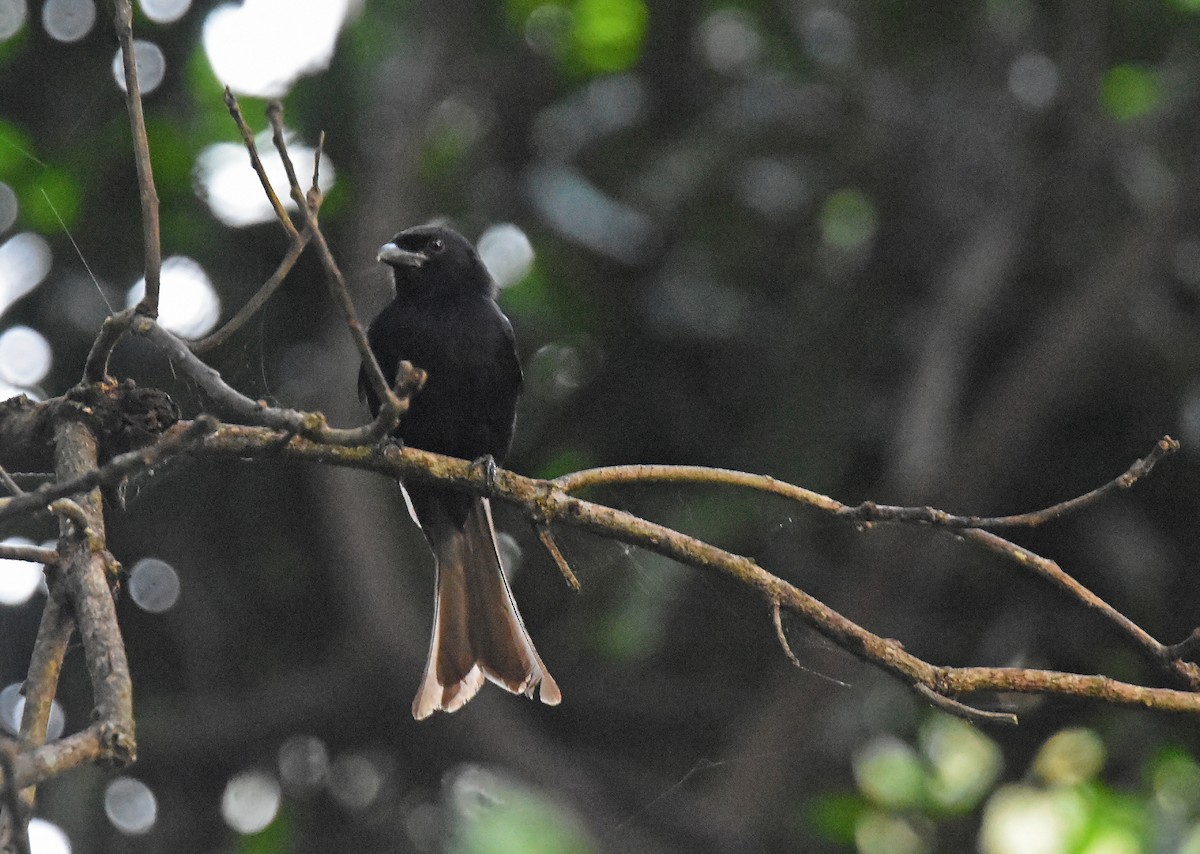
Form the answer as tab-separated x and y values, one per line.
390	253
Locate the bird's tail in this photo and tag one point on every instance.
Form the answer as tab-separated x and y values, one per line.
477	629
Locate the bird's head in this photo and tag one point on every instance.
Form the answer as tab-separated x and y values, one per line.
437	260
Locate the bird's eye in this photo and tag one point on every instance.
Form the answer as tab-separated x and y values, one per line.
437	244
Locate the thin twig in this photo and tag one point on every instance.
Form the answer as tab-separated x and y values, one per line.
547	537
256	162
869	511
334	277
257	301
311	425
33	554
777	620
115	325
11	485
123	15
315	189
1186	648
967	527
18	815
112	472
1052	572
962	710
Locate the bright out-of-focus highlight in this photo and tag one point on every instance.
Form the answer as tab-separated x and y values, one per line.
165	11
232	190
506	252
24	262
12	706
47	838
263	46
130	806
150	62
12	17
188	304
19	579
8	198
250	802
68	20
25	356
153	585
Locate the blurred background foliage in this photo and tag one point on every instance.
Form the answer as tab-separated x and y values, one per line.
939	252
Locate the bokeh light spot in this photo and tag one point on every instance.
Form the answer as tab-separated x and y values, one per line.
154	585
232	190
1033	80
303	763
151	66
68	20
25	356
188	303
19	579
12	17
729	40
880	833
165	11
8	199
12	706
250	801
889	773
1129	92
25	261
608	34
1070	757
261	47
507	253
965	762
354	781
47	838
828	36
1020	819
130	806
848	220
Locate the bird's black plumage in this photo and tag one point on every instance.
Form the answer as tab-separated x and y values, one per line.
444	319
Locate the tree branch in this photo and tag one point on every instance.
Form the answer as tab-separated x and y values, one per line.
123	15
549	500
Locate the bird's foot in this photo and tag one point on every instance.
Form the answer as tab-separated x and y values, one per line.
486	467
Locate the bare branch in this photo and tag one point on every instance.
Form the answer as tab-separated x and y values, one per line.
966	527
257	301
33	554
962	710
123	14
113	472
311	425
333	275
871	512
547	537
86	578
95	369
547	499
15	834
256	162
11	485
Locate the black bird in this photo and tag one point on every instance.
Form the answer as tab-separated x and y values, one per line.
445	320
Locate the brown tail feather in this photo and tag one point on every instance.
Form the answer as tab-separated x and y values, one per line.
477	629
